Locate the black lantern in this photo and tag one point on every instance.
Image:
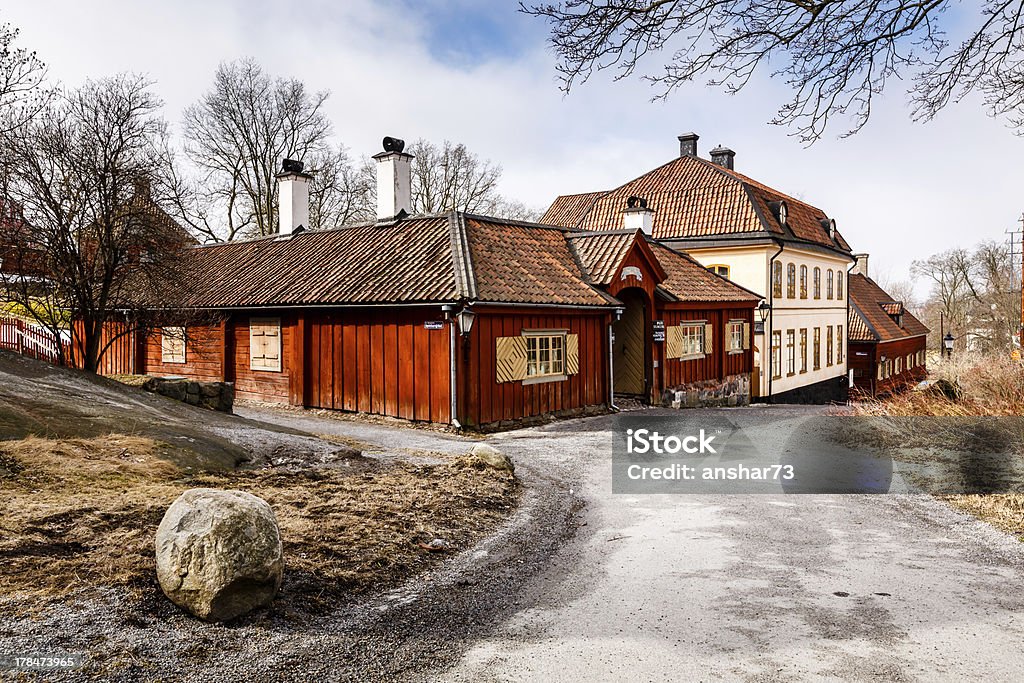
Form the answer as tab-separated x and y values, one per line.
764	310
466	318
947	344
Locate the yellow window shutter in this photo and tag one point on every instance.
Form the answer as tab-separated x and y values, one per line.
746	336
708	342
510	358
572	354
674	342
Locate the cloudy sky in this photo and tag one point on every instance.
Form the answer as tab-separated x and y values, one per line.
480	73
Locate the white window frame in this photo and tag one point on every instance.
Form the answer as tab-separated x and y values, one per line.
777	354
172	345
545	354
692	335
265	362
735	335
790	353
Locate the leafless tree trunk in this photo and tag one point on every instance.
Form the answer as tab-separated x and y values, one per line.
835	55
82	172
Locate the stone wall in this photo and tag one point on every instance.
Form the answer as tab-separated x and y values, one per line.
734	390
219	396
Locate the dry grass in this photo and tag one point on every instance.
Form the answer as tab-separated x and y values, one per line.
82	513
1002	510
993	386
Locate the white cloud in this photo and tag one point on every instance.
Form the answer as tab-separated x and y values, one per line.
898	190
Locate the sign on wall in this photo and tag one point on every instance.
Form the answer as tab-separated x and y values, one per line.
433	325
658	327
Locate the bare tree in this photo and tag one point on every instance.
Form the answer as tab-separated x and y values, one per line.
340	192
450	177
976	293
82	172
835	55
237	134
21	81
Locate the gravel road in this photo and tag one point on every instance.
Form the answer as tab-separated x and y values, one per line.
581	584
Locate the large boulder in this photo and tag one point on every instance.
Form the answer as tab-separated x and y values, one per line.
483	455
218	553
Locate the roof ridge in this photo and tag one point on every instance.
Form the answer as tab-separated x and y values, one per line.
462	256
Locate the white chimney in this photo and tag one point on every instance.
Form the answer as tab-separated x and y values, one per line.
292	198
637	216
862	265
394	180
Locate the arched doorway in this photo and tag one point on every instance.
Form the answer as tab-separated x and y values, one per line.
630	350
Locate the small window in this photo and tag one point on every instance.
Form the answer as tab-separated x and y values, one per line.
791	281
719	269
777	280
172	345
545	355
265	344
692	340
817	348
803	282
803	349
791	352
829	284
817	283
828	345
840	343
735	335
839	285
899	364
776	354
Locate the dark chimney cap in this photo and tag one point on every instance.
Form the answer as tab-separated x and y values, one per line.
724	157
635	202
688	144
393	144
292	166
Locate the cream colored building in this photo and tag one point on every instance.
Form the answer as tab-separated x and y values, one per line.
784	249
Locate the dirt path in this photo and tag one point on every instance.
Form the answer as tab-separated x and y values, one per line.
761	588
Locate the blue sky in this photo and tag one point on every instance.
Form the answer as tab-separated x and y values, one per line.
480	73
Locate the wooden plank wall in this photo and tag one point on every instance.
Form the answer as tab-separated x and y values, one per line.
202	355
483	400
718	364
378	361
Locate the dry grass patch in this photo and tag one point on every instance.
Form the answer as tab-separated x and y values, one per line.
82	513
992	386
1002	510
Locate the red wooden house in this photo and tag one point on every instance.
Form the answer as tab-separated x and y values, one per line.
455	318
887	343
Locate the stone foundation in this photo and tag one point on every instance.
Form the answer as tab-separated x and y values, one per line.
219	396
734	390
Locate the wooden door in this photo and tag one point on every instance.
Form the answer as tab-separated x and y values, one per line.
629	352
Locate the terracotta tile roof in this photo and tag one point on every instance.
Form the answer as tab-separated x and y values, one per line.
441	258
873	312
572	208
601	253
694	198
523	263
688	280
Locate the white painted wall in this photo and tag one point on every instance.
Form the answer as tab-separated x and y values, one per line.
749	267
